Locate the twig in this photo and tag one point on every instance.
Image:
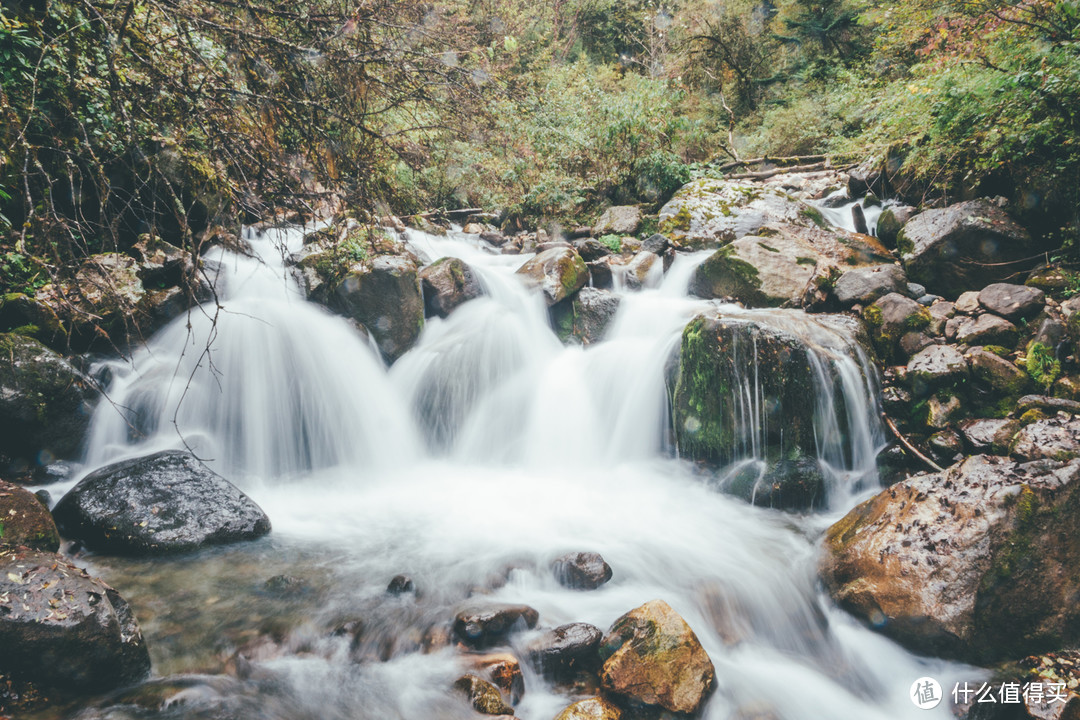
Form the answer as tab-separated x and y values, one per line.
908	446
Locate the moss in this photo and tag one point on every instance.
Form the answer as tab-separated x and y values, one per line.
1041	364
679	221
872	315
918	319
998	350
905	246
815	216
770	248
1032	415
802	260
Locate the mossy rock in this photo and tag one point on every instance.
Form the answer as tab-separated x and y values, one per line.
25	521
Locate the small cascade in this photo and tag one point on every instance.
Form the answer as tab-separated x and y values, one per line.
264	385
842	214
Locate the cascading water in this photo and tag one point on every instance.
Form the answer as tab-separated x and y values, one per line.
483	453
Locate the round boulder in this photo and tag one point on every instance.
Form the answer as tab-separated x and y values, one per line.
24	520
581	570
162	503
566	649
558	272
447	283
1013	302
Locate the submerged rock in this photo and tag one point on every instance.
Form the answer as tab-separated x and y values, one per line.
162	503
785	484
558	272
25	521
447	283
62	628
581	570
483	696
962	247
45	403
651	656
490	624
585	317
566	649
946	563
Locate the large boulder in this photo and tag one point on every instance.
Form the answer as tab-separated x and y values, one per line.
62	628
384	296
558	272
1051	438
618	220
162	503
447	283
709	213
944	562
865	285
781	265
585	317
962	247
45	403
652	657
25	521
1013	302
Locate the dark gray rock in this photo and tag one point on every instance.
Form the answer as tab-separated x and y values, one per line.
986	329
45	402
591	249
865	285
400	585
891	220
1013	302
657	243
962	247
447	283
585	318
566	649
581	570
490	624
916	291
63	628
162	503
385	297
858	219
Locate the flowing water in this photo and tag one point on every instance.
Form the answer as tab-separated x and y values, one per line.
482	454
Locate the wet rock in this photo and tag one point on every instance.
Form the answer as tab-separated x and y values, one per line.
558	273
161	503
45	403
594	708
483	696
943	562
890	318
962	247
641	269
890	221
62	628
1012	302
865	285
586	317
32	318
618	220
1053	438
447	283
493	238
600	275
401	585
986	330
591	249
657	244
285	585
581	570
942	410
384	296
490	624
946	444
992	436
652	657
566	649
1047	404
709	381
1005	379
936	366
858	219
504	672
25	521
786	484
757	271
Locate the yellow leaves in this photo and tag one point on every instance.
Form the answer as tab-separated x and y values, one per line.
15	579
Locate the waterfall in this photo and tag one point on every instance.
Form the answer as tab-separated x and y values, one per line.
484	452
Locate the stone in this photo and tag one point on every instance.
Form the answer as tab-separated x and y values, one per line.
865	285
911	343
709	213
446	284
935	367
657	244
1052	438
967	303
784	484
858	220
986	329
1047	404
472	228
943	562
1067	387
62	628
997	374
600	275
891	220
490	624
585	318
1051	333
618	220
962	247
991	436
591	249
401	585
31	318
45	402
504	672
918	292
566	649
384	296
162	503
889	318
1012	302
483	696
594	708
645	269
581	570
946	444
25	521
940	313
942	410
652	657
558	273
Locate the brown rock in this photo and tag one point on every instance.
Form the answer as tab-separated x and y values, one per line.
504	672
559	273
24	521
483	696
653	657
447	283
595	708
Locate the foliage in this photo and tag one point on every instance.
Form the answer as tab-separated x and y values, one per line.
1041	364
611	242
